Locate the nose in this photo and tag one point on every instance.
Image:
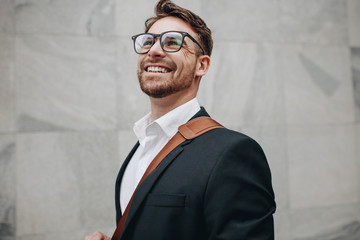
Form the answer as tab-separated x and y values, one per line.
156	50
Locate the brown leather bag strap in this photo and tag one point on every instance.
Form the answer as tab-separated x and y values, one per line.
187	131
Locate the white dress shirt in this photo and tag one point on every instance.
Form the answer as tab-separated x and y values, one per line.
152	136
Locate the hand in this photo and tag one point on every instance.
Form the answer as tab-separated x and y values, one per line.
97	236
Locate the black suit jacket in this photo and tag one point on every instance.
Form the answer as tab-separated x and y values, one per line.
217	186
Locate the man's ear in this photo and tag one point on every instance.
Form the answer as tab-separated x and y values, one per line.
202	65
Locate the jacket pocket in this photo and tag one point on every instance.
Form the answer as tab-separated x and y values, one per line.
165	200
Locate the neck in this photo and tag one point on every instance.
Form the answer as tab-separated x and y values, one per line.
161	106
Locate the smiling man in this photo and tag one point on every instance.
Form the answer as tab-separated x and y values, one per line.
215	184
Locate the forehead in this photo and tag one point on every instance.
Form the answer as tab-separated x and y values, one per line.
171	23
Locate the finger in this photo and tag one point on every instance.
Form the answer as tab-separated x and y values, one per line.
97	236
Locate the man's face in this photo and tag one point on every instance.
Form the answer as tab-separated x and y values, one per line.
161	73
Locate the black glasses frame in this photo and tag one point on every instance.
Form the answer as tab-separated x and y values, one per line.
183	34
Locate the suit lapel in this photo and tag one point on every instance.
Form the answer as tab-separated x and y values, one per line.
118	181
143	190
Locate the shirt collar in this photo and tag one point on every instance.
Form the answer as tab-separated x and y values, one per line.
140	127
169	122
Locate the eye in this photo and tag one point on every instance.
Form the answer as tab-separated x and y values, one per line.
172	43
147	42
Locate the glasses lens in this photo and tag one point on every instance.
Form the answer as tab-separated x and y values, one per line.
143	43
172	41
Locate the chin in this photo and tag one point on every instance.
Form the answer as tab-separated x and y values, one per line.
156	92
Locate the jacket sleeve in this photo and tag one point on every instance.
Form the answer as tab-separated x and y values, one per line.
239	199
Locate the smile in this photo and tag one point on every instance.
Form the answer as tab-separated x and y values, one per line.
157	69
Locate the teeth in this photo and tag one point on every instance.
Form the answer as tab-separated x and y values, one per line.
157	69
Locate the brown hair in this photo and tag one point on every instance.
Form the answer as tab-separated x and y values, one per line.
166	8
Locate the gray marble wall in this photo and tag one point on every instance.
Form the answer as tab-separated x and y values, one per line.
285	72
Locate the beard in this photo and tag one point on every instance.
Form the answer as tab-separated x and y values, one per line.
165	84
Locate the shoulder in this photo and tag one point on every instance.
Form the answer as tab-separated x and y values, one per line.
225	146
227	138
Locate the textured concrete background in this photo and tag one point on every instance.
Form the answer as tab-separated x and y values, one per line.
286	72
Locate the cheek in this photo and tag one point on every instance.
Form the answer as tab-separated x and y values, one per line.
139	61
182	62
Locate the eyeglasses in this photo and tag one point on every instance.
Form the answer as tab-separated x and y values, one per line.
170	41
